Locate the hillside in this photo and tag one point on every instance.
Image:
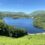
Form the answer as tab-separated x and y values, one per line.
39	19
26	40
38	12
14	15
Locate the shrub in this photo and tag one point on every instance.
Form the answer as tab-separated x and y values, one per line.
11	31
19	32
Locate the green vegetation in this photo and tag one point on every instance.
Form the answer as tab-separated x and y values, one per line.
26	40
39	19
11	31
8	32
14	15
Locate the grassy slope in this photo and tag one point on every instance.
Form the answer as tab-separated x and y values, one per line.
26	40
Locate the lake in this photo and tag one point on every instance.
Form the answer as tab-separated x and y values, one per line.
26	23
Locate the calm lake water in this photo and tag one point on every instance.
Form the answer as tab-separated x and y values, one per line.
26	23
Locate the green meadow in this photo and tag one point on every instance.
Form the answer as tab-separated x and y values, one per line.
26	40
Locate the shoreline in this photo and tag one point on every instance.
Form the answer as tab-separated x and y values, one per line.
36	33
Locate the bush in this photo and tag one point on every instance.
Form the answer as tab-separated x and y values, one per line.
19	32
11	31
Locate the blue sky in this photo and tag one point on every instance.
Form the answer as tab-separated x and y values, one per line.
22	5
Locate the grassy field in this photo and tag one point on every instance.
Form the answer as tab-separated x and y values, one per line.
26	40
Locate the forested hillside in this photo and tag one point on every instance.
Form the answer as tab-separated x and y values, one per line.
39	19
14	14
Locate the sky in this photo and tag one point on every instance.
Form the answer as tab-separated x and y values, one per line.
22	5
